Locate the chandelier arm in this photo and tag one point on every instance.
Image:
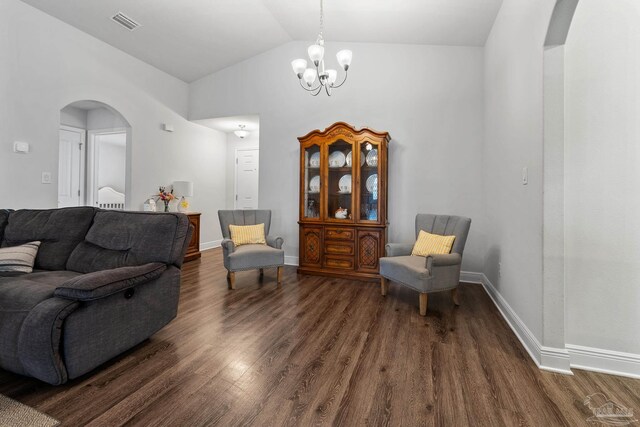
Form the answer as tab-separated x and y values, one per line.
318	92
346	73
328	90
307	89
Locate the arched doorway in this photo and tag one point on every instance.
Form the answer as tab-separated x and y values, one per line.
93	162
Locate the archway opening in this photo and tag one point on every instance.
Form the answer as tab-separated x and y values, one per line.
94	156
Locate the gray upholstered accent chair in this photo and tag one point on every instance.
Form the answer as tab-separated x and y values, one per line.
427	274
249	257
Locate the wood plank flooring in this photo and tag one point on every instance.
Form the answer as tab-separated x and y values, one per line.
321	351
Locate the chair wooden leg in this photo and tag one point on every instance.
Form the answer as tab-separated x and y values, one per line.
423	304
231	277
454	296
384	286
279	275
261	272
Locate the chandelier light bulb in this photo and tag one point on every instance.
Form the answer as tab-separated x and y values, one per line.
344	58
309	76
299	65
316	53
332	75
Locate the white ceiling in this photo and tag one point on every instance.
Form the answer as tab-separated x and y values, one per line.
229	124
190	39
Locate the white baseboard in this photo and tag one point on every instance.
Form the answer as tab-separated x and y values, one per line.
291	260
210	245
604	361
471	277
546	358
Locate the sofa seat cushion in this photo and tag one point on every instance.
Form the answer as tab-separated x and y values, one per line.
27	290
409	270
249	257
18	296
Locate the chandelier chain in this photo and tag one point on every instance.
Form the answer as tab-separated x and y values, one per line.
320	35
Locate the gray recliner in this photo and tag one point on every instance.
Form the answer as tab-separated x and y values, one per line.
249	257
427	274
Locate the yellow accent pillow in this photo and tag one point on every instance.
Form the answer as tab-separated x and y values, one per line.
432	244
247	234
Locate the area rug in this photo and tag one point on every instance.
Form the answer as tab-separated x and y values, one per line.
15	414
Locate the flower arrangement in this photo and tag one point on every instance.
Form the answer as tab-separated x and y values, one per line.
165	196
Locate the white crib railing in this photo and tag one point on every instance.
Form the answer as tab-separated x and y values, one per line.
113	206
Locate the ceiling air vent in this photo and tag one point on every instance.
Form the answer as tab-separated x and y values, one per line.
125	21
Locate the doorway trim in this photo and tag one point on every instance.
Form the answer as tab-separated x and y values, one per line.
92	167
83	160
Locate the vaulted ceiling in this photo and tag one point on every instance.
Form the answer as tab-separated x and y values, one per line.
192	38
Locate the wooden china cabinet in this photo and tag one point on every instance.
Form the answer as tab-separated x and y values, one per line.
343	201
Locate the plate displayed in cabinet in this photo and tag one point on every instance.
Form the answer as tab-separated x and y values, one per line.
314	184
372	158
344	185
314	160
372	183
337	159
350	161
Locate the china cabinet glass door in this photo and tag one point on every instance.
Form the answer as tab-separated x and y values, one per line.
369	182
312	182
340	181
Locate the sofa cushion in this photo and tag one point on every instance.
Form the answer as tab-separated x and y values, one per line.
58	230
18	296
248	257
19	258
121	239
247	234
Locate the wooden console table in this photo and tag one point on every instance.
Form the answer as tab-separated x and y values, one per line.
193	251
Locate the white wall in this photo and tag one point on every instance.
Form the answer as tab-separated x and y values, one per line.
602	177
102	118
430	99
513	139
233	143
75	117
112	161
47	64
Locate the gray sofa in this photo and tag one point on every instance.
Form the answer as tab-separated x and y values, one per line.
103	281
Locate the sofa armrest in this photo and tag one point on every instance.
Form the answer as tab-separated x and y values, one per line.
443	260
398	249
275	242
100	284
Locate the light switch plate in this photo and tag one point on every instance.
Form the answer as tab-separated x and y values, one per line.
46	177
20	147
525	175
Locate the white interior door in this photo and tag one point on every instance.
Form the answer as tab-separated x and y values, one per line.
247	163
71	162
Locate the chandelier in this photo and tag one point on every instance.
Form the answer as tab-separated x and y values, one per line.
326	77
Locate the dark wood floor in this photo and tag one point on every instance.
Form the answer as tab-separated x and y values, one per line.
322	351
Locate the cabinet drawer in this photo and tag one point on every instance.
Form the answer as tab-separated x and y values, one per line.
343	263
339	248
337	233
